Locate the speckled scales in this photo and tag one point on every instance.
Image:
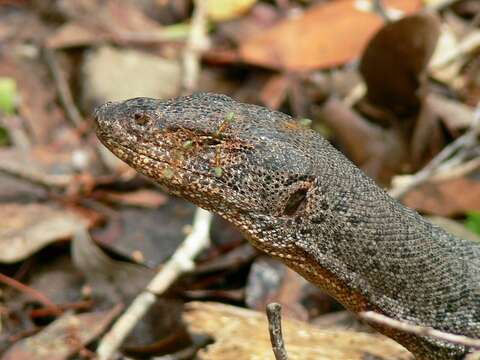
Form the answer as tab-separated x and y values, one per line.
297	198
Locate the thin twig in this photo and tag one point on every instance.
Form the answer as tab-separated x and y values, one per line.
466	46
275	329
64	93
18	170
35	294
442	4
180	262
379	8
467	140
197	43
420	330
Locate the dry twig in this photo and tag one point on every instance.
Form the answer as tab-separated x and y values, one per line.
64	93
18	170
197	43
275	329
180	262
420	330
464	142
35	294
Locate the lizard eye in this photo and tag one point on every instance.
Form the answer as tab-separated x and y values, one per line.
141	119
295	202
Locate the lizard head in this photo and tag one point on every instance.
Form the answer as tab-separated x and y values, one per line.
253	166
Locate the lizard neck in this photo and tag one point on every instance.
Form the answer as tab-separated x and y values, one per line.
372	253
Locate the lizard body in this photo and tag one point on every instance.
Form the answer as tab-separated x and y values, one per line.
298	199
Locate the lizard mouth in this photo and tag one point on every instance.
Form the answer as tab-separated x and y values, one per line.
147	164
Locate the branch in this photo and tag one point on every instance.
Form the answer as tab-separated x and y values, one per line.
18	170
467	140
63	90
275	330
182	260
197	42
179	263
420	330
31	292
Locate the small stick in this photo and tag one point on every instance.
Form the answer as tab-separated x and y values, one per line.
275	330
18	170
179	263
197	42
466	140
35	294
64	93
420	330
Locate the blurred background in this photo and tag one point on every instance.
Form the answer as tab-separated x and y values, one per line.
393	84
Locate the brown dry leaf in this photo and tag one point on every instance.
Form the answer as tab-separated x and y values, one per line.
270	280
26	228
64	337
149	235
142	198
446	198
107	20
381	153
395	59
114	280
232	329
326	35
37	107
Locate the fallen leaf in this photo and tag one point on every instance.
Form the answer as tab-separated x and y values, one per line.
446	198
326	35
36	106
381	154
26	228
156	233
394	60
142	198
119	74
233	327
64	337
117	281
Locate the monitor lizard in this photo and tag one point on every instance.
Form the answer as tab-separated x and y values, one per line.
298	199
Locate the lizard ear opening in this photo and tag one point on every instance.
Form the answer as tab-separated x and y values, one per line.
141	119
295	202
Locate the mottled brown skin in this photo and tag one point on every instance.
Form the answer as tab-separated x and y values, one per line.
298	199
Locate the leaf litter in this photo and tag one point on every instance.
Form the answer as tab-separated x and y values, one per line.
384	91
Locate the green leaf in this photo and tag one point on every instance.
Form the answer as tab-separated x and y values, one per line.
473	221
8	95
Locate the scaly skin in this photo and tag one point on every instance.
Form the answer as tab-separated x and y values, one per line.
298	199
